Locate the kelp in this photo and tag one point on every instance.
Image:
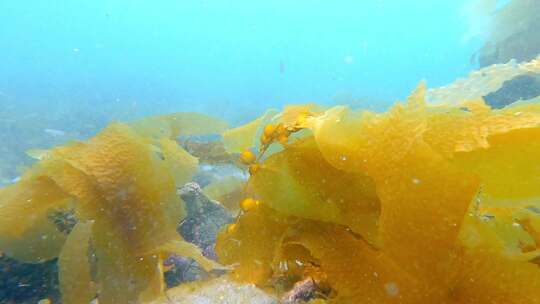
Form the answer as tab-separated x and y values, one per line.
177	124
425	203
121	185
433	201
481	82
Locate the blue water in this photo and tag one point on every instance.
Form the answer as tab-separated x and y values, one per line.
229	58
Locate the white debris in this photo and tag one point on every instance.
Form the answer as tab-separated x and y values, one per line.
54	132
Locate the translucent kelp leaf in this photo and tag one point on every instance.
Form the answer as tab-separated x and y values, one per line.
122	274
297	116
126	172
298	181
428	167
177	124
490	268
127	188
75	277
480	83
179	161
249	245
362	141
419	212
357	272
486	277
186	249
26	231
228	191
455	130
245	137
507	167
410	179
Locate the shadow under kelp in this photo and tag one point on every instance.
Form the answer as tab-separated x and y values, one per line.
28	283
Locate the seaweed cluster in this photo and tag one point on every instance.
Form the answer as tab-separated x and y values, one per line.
121	187
422	204
433	201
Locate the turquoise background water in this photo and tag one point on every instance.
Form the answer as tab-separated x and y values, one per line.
124	59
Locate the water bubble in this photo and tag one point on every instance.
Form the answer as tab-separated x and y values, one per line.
392	289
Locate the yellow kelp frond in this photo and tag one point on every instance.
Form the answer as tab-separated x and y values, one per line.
486	277
449	192
227	191
178	124
245	137
179	161
296	116
249	245
123	183
356	272
299	182
26	231
361	141
123	276
506	168
128	173
189	250
74	271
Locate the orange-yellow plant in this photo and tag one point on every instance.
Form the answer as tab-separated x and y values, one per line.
122	185
421	204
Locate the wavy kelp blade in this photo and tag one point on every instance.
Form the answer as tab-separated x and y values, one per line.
249	245
123	275
506	166
74	272
228	191
245	137
480	83
298	181
119	168
488	277
182	164
178	124
188	250
357	272
26	231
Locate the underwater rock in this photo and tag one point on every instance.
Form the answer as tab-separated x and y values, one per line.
302	292
27	283
521	87
204	219
210	174
65	220
208	151
183	270
201	225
